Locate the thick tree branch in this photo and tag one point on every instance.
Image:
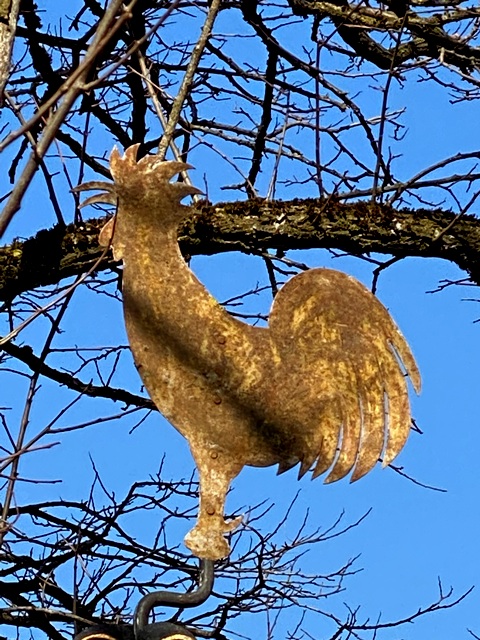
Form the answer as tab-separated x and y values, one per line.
49	257
355	23
255	226
8	21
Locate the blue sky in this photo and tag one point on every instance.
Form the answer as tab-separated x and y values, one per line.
414	536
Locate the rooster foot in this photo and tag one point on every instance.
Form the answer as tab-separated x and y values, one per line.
206	540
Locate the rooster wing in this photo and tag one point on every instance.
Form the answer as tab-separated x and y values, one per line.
340	346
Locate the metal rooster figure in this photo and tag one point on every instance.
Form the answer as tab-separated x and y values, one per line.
323	386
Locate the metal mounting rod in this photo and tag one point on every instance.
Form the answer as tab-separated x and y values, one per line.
172	598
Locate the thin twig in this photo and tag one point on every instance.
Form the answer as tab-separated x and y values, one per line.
41	311
188	79
32	389
75	87
383	119
151	87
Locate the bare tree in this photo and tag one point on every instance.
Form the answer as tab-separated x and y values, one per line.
298	100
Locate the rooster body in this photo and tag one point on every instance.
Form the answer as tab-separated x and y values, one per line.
322	386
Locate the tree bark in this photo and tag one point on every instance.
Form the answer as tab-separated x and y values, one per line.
256	226
8	23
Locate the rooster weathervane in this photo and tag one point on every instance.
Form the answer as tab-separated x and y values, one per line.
323	386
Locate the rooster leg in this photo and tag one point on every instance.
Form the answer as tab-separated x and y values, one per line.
216	471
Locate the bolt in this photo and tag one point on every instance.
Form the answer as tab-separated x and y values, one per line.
210	511
217	400
214	455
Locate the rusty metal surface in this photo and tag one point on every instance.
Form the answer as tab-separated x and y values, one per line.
322	387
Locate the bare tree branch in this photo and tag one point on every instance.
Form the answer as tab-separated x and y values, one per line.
253	227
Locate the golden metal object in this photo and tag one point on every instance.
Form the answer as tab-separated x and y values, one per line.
323	386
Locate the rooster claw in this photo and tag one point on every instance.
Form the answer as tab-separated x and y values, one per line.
231	525
208	542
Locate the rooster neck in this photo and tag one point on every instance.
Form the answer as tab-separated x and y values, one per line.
156	274
166	305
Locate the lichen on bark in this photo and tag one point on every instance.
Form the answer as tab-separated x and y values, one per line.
254	226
